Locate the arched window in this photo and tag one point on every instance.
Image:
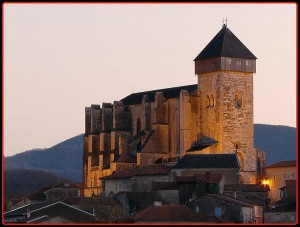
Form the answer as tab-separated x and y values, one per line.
237	100
212	101
207	102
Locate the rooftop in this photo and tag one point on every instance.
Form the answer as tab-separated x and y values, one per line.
282	164
225	44
203	161
168	93
153	169
171	213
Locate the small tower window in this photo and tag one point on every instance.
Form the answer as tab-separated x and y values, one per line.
207	102
212	101
237	100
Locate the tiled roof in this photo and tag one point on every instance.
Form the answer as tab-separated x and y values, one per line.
136	98
246	187
170	213
65	211
154	169
282	164
230	200
225	44
203	161
251	200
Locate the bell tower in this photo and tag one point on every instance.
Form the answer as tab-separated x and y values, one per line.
225	70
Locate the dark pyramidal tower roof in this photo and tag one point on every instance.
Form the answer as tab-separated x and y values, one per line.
225	44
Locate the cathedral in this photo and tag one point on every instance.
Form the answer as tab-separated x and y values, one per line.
213	116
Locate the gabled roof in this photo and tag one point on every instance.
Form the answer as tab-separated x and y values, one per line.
153	169
53	210
170	213
225	44
168	93
203	161
282	164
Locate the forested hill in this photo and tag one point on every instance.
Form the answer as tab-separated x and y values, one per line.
19	182
279	142
65	158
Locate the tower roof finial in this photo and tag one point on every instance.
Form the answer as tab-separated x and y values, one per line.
224	20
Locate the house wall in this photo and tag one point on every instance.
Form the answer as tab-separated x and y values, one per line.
116	185
144	183
276	178
169	196
231	211
279	217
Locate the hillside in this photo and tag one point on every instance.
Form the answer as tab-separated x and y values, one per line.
65	158
19	182
279	142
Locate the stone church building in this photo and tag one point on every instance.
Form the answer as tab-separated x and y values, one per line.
214	116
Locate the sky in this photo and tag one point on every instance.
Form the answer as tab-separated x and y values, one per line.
60	58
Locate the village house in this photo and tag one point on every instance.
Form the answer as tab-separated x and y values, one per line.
276	175
235	209
137	180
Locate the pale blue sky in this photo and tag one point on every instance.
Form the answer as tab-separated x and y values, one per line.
60	58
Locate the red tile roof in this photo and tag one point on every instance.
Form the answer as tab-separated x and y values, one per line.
154	169
282	164
170	213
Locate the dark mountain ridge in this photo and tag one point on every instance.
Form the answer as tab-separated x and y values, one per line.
65	158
